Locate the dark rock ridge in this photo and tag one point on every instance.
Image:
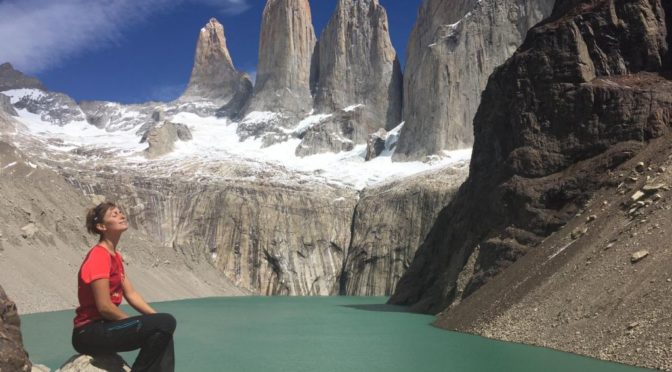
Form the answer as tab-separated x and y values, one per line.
286	47
358	65
453	48
213	76
13	357
585	92
13	79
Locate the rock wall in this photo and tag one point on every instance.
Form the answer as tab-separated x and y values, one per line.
271	239
13	357
286	47
584	93
358	65
389	224
453	48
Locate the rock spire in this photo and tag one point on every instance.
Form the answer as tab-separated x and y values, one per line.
213	76
358	65
454	47
286	47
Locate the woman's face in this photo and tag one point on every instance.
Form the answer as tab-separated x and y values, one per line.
114	221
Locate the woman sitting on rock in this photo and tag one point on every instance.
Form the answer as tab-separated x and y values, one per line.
101	327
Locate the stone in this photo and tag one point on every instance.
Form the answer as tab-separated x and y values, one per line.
640	167
40	368
334	134
13	79
28	231
99	363
638	256
578	232
358	65
213	76
13	356
6	105
375	145
452	50
162	138
636	196
286	66
652	188
591	218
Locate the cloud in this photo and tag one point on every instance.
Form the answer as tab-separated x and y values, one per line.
227	7
41	34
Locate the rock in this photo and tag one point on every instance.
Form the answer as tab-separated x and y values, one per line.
640	167
528	157
6	105
358	65
29	230
213	76
162	138
453	49
13	79
591	218
40	368
334	134
638	256
99	363
158	116
636	196
633	325
656	197
286	45
55	108
578	232
375	145
652	188
13	357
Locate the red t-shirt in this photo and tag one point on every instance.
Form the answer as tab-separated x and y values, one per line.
98	264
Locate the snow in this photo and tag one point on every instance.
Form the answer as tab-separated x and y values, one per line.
15	95
353	107
215	144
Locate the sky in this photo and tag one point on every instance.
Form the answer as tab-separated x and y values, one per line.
134	51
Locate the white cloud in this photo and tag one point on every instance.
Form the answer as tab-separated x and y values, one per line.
228	7
41	34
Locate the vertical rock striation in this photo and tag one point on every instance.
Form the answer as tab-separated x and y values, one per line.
13	356
454	47
213	76
286	47
584	93
358	65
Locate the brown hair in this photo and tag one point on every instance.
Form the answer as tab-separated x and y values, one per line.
95	216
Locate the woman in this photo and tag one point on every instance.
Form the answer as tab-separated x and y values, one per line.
100	326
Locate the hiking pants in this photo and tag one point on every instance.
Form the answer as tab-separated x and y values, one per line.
152	334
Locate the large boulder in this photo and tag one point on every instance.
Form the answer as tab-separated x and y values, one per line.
98	363
358	65
455	45
6	105
13	357
161	138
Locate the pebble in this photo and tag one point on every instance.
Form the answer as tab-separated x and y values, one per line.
638	256
591	218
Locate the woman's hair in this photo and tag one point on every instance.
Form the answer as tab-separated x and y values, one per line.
95	216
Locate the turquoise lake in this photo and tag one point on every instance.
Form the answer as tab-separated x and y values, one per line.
314	334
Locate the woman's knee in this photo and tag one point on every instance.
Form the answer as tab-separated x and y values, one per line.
167	322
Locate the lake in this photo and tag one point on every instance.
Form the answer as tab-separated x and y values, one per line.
314	334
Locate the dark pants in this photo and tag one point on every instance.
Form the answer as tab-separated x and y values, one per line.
152	334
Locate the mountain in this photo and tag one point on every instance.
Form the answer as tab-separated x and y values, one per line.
13	79
359	66
285	68
213	76
553	239
453	48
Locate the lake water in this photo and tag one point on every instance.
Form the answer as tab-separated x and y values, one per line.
296	334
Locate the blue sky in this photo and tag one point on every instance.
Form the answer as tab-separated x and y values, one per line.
135	51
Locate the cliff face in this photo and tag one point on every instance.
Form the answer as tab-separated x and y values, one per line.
584	93
286	47
389	224
358	65
213	76
13	79
454	47
13	356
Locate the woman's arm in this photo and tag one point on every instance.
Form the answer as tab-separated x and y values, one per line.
101	295
134	299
